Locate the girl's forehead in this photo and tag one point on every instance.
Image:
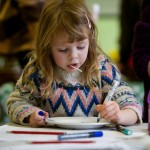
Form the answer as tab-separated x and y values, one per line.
62	37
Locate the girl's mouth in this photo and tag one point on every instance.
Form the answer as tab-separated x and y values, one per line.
74	66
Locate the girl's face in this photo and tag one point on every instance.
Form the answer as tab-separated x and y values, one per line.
68	55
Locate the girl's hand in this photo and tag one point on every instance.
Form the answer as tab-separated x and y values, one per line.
110	111
36	119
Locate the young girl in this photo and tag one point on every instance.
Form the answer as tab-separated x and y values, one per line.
68	74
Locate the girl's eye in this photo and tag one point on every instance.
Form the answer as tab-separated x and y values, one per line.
63	50
81	47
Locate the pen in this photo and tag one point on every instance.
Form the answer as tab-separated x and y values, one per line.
109	95
36	132
124	130
111	92
80	135
61	142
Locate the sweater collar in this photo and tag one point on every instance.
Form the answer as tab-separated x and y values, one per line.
67	77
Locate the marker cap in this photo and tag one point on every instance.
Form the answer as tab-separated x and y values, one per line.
41	113
97	134
127	132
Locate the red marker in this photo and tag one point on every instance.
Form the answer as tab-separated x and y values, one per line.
36	132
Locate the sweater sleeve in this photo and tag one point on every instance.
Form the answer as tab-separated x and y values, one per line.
123	94
22	102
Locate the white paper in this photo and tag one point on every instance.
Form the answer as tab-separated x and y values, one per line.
111	140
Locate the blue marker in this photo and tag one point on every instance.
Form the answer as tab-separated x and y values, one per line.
80	135
41	113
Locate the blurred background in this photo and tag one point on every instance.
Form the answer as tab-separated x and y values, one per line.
115	21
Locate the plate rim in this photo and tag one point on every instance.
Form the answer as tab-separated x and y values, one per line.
77	125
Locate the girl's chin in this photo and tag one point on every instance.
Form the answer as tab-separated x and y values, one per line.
69	70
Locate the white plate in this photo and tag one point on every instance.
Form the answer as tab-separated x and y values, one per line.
77	122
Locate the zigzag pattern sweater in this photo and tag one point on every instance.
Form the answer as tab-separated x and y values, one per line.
70	97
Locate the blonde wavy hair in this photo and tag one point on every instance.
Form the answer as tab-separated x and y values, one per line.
73	17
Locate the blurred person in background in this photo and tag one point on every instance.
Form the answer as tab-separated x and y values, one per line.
141	53
96	12
18	19
130	14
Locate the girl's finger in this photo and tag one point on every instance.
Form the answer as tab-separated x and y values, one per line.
98	107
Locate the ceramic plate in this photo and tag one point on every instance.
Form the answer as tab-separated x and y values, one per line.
77	122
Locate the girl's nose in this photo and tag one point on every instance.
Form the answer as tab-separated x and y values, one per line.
73	55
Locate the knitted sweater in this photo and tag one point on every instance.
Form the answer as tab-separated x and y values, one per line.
70	97
141	51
